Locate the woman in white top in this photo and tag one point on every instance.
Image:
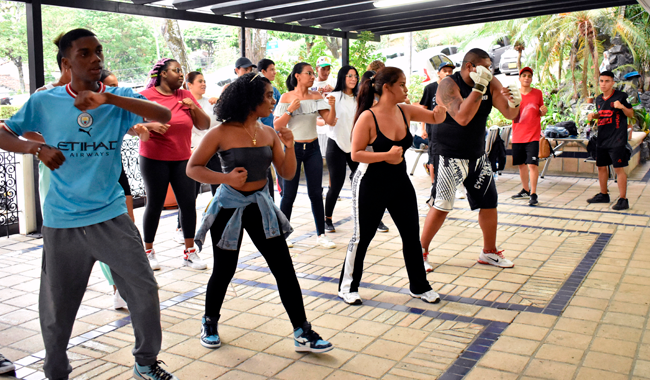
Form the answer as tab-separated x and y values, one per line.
298	110
195	83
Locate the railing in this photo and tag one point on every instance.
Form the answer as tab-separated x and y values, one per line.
8	194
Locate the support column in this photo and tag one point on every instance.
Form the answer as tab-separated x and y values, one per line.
242	37
345	52
33	216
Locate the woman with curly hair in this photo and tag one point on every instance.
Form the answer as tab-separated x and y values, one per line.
163	159
247	148
298	110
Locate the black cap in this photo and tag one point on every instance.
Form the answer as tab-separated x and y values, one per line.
244	62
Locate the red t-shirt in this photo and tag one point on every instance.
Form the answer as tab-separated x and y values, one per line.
175	144
527	126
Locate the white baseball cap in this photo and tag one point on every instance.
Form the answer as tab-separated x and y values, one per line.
324	61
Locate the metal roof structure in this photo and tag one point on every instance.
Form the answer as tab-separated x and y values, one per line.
336	18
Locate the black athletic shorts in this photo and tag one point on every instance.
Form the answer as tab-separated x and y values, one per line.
124	182
476	175
525	153
618	157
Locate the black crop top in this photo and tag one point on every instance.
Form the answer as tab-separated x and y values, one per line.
256	161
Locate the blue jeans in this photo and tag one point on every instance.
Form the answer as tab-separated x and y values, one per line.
307	154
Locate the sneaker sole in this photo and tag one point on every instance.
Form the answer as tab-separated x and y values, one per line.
533	203
378	230
330	231
437	300
494	265
157	267
354	303
518	198
314	350
8	369
186	264
211	346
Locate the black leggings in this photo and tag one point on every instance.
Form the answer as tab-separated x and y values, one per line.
336	160
157	176
373	193
275	253
215	165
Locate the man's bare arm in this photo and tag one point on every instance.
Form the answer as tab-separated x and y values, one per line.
461	110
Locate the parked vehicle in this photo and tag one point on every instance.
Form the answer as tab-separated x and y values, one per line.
508	63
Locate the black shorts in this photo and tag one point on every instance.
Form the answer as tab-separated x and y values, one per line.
617	157
525	153
124	182
476	175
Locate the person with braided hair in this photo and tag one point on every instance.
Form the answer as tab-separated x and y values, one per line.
163	159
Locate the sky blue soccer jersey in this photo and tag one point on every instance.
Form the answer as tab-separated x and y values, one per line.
85	189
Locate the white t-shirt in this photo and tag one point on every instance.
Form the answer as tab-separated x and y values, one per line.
320	84
198	134
346	107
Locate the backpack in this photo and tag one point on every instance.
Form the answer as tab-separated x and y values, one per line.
545	148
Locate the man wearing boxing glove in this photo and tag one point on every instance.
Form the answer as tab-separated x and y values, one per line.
459	155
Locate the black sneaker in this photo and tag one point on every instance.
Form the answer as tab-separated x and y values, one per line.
6	365
329	226
533	200
622	204
523	194
382	227
599	198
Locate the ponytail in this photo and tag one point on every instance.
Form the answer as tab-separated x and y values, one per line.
372	84
292	81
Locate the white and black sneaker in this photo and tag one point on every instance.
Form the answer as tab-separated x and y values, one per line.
152	372
523	194
431	296
329	226
6	365
494	258
352	298
382	227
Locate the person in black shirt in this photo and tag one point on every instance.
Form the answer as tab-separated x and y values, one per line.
613	111
459	153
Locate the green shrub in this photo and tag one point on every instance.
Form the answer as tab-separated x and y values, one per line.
7	112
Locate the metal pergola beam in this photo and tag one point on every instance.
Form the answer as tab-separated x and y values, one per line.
432	18
594	4
337	12
34	21
250	6
193	4
285	11
175	14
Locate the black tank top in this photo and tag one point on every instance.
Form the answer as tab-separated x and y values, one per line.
468	142
256	161
384	144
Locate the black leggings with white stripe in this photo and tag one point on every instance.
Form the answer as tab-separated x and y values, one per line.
373	192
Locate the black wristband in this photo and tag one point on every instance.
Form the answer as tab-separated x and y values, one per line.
479	87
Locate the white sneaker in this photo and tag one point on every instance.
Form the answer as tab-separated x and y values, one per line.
352	298
430	296
427	266
460	194
153	260
191	259
290	243
118	301
178	236
495	258
325	242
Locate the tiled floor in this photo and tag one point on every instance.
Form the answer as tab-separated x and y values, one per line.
574	307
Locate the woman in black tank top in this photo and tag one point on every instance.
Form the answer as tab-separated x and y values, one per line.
379	139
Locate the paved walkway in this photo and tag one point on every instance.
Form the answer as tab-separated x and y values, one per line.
574	307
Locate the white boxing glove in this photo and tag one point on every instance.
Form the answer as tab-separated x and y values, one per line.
481	78
516	96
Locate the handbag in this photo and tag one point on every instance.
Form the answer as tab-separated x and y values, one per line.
544	148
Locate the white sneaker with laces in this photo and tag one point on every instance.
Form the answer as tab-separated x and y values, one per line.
495	258
191	259
325	242
178	236
430	296
352	298
153	259
427	266
118	301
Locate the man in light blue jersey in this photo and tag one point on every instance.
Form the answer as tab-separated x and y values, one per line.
85	219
